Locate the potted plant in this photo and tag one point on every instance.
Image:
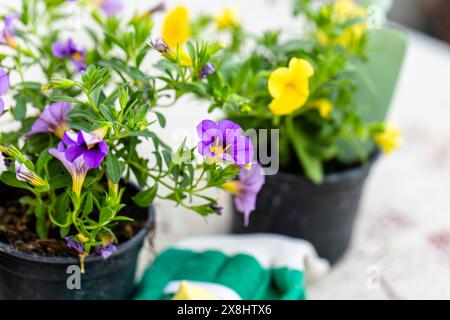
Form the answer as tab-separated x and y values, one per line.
325	93
76	195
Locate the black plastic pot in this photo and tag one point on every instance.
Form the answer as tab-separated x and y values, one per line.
29	276
323	214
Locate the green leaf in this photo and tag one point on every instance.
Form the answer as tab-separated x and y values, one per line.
66	99
9	179
312	165
113	168
106	214
60	181
41	222
20	109
161	119
145	198
109	112
203	210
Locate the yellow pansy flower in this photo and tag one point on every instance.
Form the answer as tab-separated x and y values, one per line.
389	139
228	18
176	32
324	106
289	87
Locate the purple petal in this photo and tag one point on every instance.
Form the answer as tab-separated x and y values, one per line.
242	150
252	180
228	125
77	246
245	203
2	106
107	251
74	151
89	138
60	50
4	81
93	158
207	129
204	148
111	7
69	138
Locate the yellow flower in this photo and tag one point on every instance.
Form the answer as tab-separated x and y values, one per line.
289	87
82	238
228	18
345	10
324	106
176	30
389	139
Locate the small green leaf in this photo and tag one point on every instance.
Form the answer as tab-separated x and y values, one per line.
161	119
9	179
145	198
20	109
113	168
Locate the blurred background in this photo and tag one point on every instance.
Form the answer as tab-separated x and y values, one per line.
429	16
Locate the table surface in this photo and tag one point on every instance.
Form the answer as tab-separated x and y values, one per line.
401	247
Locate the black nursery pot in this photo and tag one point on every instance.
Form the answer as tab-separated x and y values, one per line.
30	276
323	214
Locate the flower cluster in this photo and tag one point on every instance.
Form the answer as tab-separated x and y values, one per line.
306	87
74	148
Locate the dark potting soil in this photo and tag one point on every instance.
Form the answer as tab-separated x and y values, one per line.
18	230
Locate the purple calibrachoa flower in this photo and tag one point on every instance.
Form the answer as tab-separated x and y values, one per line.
4	87
246	190
224	141
53	119
89	146
77	168
70	50
9	31
77	246
208	69
26	175
106	251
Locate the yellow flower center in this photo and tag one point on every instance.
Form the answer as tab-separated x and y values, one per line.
77	56
232	187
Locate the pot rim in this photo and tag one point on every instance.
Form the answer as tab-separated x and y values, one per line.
338	175
122	248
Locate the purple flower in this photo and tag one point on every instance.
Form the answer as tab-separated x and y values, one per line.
106	251
246	190
208	69
4	87
9	31
160	45
111	7
77	246
77	169
26	175
52	119
87	145
224	141
70	50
